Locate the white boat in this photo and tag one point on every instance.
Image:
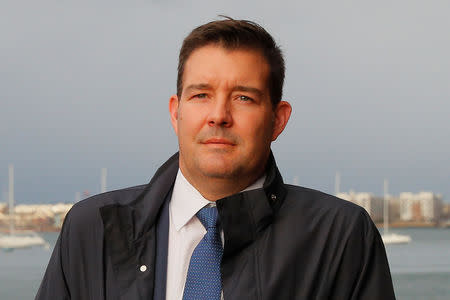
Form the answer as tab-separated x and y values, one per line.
24	239
391	238
14	239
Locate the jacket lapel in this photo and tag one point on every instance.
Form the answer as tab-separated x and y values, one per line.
162	243
130	234
243	217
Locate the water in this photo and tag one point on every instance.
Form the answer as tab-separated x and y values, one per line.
420	270
22	270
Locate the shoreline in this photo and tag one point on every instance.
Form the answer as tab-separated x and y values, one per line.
399	224
396	225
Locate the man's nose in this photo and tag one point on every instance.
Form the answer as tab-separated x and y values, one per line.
220	114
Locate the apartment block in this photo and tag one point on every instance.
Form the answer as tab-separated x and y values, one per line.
422	206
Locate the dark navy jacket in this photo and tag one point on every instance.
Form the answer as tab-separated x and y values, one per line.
281	242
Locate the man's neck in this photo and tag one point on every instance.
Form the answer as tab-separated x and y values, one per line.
214	189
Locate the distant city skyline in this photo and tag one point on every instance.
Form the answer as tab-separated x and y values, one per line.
85	86
102	187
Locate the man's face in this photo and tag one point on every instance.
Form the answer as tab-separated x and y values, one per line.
224	120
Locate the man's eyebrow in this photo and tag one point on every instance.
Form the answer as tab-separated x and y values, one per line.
249	89
238	88
198	86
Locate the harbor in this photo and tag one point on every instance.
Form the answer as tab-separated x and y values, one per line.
407	210
420	270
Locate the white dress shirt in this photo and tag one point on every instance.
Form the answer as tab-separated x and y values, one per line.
186	231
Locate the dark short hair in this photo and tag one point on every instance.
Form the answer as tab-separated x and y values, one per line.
236	34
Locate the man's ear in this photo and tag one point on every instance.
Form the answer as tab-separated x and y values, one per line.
173	109
282	114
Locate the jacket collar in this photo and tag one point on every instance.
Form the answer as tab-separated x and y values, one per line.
257	204
245	214
129	229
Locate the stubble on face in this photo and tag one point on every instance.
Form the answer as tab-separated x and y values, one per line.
243	129
223	168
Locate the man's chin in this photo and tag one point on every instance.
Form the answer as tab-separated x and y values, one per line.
219	170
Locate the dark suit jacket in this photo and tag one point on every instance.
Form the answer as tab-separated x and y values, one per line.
281	242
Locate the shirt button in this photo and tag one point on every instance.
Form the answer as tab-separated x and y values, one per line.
143	268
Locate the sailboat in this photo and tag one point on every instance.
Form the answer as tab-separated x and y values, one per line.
22	239
390	238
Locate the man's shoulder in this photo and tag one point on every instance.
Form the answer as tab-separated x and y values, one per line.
87	211
312	202
318	198
121	197
326	215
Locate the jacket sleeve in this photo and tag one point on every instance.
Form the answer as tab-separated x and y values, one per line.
54	285
362	268
373	280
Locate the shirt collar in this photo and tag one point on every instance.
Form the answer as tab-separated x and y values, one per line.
187	201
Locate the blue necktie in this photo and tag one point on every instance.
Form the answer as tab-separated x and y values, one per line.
203	281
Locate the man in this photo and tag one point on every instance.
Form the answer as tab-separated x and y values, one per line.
265	239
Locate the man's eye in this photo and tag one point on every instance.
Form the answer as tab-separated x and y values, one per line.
200	96
245	98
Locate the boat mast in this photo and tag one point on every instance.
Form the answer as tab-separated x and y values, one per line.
337	184
11	198
103	180
386	208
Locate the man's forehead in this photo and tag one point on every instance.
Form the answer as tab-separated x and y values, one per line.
229	50
211	65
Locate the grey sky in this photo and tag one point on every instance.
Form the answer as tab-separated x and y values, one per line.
85	86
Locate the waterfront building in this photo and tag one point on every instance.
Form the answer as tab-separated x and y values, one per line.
422	206
3	208
38	217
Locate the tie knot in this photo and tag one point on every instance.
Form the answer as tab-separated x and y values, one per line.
209	216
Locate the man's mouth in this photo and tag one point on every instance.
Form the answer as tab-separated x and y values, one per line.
218	141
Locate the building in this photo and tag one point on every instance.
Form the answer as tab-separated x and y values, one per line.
38	217
422	206
3	208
